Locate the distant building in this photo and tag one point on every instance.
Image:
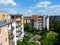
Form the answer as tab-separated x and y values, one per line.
26	19
53	19
39	22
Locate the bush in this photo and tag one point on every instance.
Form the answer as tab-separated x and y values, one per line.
47	42
52	35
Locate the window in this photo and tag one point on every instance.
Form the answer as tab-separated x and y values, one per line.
5	28
0	30
21	28
3	16
5	39
0	43
6	16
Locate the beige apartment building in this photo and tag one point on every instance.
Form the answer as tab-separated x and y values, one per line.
4	40
4	22
39	22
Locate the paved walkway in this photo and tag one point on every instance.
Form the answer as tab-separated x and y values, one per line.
31	40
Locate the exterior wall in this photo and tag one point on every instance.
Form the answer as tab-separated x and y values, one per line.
4	35
5	16
44	21
36	25
19	27
40	22
35	21
35	17
47	23
26	20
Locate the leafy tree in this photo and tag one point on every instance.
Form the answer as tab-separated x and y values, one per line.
47	41
49	38
28	28
56	28
26	42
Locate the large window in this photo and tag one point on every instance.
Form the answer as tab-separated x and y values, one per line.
5	39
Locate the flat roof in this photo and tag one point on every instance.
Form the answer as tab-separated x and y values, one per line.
15	14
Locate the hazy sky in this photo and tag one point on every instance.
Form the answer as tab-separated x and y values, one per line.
29	7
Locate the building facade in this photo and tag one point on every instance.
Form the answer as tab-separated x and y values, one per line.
4	38
39	22
17	27
4	25
5	16
53	19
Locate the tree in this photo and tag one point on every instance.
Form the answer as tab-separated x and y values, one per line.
49	38
26	42
55	26
28	28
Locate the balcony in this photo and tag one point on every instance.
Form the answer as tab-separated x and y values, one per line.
40	21
17	38
18	26
17	34
17	19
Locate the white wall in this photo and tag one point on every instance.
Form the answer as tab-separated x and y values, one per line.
47	23
36	25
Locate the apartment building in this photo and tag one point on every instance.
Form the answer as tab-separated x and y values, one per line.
53	19
18	19
4	25
26	19
17	27
4	40
39	22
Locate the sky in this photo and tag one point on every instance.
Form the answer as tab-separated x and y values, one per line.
30	7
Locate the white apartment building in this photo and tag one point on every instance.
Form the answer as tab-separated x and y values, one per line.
17	27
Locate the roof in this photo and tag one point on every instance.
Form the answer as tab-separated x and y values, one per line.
16	15
3	23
